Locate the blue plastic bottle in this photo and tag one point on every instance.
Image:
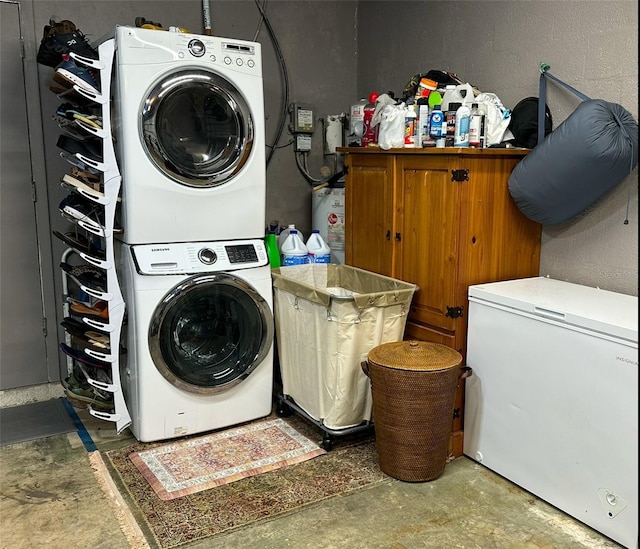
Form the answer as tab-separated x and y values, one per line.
437	126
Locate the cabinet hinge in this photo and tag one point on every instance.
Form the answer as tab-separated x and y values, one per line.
454	312
456	413
459	175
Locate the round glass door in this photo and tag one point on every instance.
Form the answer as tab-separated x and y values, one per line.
197	128
210	332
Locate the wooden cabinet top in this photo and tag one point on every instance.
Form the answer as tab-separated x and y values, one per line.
457	151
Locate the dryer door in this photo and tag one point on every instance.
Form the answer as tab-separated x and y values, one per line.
210	332
197	128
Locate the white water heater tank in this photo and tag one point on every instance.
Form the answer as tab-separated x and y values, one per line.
327	215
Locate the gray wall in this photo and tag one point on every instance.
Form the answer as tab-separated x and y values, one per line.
498	46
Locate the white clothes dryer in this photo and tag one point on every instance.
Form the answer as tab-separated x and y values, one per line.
199	336
189	128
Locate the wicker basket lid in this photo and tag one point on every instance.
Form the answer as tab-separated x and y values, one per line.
415	355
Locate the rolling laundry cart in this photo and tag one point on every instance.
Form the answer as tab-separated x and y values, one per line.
328	317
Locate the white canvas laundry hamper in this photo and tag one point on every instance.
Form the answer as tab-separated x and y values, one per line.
328	317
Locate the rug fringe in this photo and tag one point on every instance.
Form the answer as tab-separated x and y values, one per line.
127	522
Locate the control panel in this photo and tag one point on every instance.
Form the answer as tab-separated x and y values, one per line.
199	257
138	46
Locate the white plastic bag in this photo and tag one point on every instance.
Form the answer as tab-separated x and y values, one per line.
391	135
382	101
497	118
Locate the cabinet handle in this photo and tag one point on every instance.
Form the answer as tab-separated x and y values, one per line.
398	237
388	235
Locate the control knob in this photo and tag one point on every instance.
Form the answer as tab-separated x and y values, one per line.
207	256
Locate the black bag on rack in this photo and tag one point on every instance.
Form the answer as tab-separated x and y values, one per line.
592	151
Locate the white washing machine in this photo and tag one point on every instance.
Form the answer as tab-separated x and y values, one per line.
199	336
189	128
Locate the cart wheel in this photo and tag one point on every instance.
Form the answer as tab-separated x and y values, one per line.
283	410
327	442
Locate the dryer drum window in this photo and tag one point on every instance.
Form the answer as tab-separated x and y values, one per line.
197	128
210	332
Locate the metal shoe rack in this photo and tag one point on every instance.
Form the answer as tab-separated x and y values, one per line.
107	168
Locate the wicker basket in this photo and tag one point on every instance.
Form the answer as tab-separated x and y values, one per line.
413	385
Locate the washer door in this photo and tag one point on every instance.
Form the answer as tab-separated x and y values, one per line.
210	332
197	128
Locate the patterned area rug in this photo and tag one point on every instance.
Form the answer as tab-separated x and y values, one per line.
350	466
197	464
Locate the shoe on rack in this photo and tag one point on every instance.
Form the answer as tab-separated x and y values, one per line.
84	343
86	275
80	329
76	207
63	38
68	113
86	181
79	208
69	73
76	184
80	244
82	357
92	179
82	394
90	148
100	311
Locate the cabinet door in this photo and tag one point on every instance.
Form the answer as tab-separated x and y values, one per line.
370	212
429	236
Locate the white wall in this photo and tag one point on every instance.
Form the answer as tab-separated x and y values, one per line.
498	46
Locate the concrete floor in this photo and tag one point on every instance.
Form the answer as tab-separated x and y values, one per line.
50	497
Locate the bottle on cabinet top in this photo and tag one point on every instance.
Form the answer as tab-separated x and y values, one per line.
476	127
461	131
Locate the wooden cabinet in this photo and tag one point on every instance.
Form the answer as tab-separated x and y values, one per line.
444	220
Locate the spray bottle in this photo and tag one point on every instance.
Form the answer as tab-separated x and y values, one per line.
370	135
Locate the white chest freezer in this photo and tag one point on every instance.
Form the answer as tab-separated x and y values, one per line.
553	401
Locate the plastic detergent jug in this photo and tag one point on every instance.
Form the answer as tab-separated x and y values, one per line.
271	243
294	252
319	251
284	234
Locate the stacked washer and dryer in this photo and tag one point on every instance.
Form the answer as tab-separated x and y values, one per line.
189	130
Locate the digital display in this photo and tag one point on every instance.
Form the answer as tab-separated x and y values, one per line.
241	253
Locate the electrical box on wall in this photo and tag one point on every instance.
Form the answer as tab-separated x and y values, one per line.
302	118
302	142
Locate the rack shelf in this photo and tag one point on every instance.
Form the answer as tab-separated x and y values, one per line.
104	229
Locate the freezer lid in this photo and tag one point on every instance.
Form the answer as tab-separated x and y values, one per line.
603	311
